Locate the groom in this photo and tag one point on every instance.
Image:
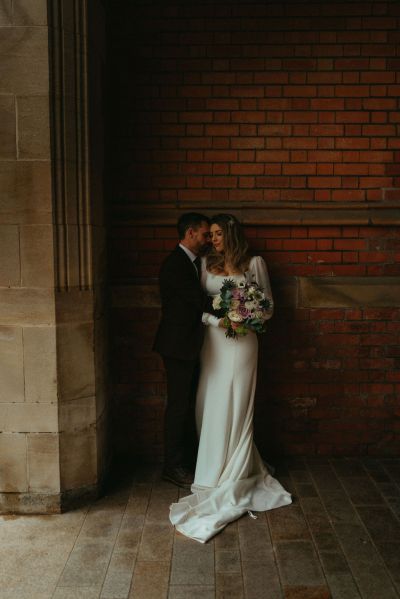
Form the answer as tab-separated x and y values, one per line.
179	339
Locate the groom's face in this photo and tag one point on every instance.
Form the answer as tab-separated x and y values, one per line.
200	238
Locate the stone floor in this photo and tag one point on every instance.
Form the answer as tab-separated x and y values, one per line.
340	538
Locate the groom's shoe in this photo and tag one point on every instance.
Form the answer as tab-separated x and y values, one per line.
179	476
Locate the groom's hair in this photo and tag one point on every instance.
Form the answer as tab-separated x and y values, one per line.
189	220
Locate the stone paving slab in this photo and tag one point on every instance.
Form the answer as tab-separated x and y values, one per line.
340	539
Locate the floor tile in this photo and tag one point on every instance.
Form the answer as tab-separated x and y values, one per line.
299	564
380	522
229	585
288	523
304	592
156	543
119	576
150	581
227	560
192	562
260	577
77	593
191	591
87	565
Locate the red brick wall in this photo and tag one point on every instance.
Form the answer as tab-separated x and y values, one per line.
249	102
291	104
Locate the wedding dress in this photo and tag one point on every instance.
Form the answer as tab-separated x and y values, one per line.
230	477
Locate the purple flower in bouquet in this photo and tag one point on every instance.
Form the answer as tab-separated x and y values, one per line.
244	308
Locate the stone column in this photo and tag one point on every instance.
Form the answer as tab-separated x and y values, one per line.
52	397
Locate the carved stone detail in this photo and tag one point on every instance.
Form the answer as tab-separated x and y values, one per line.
69	143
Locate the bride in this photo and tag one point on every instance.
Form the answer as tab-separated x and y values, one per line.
230	477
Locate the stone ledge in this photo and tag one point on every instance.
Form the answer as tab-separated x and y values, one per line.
299	292
349	292
265	213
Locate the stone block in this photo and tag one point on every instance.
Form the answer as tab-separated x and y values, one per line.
25	417
76	361
349	292
40	367
27	306
77	414
10	261
5	13
13	471
26	12
74	305
37	262
11	365
33	127
17	206
43	463
78	459
24	60
8	147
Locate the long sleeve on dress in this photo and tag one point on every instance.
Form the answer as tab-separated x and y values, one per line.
210	319
258	273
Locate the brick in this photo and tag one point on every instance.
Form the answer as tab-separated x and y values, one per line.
351	117
247	143
350	244
330	182
301	117
272	156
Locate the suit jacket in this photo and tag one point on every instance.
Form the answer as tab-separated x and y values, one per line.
181	331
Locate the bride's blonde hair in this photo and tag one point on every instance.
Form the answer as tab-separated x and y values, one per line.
236	248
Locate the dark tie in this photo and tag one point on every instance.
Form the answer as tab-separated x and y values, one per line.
197	263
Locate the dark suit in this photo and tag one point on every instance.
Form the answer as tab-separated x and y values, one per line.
179	339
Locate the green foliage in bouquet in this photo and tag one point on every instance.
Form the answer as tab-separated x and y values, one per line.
243	307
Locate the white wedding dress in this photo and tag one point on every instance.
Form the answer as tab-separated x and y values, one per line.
230	477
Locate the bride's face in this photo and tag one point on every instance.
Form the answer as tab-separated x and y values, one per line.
217	237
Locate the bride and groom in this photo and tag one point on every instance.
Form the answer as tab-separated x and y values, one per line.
211	381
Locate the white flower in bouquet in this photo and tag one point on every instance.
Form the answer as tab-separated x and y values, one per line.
217	302
235	316
244	308
251	304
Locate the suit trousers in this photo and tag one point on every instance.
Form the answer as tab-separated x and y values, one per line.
180	437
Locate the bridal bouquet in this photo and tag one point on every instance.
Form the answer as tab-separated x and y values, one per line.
243	307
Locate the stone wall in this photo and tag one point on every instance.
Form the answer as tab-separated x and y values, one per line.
285	113
52	390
